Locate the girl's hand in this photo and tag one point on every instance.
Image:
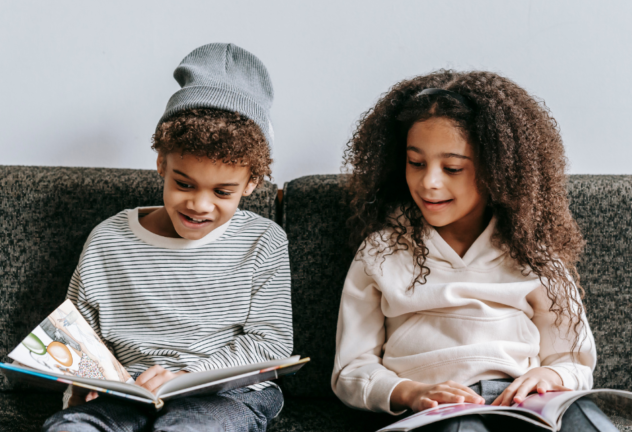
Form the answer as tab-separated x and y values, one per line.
78	399
418	396
538	379
156	376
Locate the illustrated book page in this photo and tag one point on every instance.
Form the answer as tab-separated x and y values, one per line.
64	343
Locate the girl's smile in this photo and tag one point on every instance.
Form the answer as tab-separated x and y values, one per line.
435	205
441	177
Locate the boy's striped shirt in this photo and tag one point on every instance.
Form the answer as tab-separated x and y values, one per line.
217	302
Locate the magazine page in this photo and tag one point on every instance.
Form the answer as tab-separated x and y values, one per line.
187	381
446	411
64	343
553	405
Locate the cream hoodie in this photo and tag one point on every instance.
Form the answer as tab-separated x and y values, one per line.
476	317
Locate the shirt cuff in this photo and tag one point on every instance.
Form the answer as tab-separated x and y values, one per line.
568	380
379	392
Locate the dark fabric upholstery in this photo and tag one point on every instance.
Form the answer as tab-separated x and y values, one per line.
602	206
314	220
46	214
27	411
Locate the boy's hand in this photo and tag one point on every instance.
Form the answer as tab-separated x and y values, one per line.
78	399
418	396
156	376
538	379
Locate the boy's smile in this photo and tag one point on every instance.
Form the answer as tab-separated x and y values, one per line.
199	195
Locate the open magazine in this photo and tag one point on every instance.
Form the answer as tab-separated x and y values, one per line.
544	410
64	350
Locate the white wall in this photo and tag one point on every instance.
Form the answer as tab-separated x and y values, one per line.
84	83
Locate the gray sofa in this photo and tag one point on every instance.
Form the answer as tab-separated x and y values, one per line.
46	213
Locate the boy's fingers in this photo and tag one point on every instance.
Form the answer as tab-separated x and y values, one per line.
147	375
92	395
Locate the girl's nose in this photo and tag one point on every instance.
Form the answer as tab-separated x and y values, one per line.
432	179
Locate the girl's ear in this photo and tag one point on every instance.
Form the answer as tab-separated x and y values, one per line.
250	187
160	165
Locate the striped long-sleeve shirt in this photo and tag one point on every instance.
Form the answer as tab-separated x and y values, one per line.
220	301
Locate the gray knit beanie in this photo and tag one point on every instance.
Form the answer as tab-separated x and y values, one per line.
227	77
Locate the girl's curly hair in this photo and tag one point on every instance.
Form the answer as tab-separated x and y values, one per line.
219	135
520	167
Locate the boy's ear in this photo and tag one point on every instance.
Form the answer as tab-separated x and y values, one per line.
250	187
160	165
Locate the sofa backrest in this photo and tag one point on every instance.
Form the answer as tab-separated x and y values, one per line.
46	214
314	218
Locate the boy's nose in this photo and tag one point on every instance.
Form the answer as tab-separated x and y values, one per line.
201	204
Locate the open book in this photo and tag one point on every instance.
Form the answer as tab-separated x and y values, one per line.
64	350
544	410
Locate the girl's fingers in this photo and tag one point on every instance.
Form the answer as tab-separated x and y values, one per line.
470	398
464	388
446	397
525	388
426	403
507	396
543	387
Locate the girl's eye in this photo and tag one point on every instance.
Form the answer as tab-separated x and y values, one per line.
184	185
223	193
454	170
415	164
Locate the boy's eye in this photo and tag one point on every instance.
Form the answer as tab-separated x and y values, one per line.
184	185
223	193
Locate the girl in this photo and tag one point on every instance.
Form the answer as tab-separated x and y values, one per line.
464	287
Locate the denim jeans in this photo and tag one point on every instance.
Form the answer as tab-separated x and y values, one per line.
240	410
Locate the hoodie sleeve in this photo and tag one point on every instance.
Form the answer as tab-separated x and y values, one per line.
556	345
359	379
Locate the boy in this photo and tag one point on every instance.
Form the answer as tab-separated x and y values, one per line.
196	284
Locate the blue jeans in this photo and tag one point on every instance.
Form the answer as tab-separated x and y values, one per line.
240	410
582	416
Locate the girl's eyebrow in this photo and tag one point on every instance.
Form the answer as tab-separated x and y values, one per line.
454	155
443	155
181	173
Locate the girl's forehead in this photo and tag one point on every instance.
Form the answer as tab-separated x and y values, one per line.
438	137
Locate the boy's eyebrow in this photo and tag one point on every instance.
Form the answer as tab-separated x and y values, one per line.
181	173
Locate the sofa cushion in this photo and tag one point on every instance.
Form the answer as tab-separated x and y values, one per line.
46	214
314	219
27	412
602	206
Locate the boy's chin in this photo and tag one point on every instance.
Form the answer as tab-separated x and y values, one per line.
189	234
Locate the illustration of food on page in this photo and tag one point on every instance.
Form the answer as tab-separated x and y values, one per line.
65	343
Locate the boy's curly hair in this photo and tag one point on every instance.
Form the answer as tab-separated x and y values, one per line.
520	167
219	135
